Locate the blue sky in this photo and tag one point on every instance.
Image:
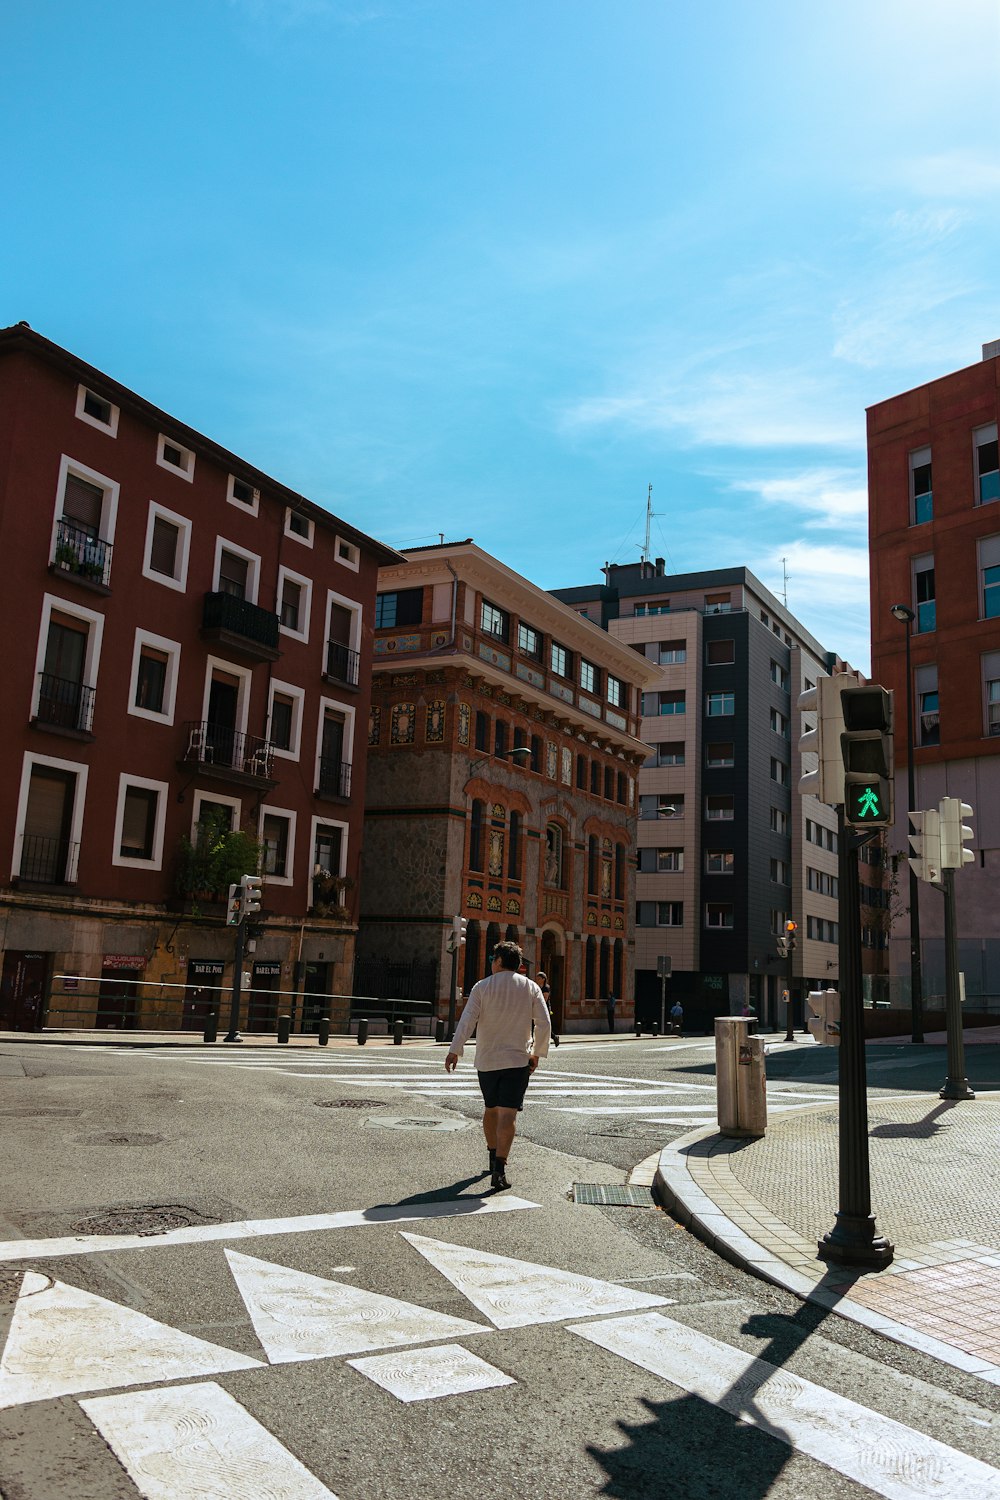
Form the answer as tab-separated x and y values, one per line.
481	269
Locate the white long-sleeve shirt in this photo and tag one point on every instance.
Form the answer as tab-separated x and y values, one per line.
501	1009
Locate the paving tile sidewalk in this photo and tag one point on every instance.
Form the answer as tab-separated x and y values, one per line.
935	1175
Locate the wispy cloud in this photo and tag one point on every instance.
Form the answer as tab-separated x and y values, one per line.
827	591
953	174
822	498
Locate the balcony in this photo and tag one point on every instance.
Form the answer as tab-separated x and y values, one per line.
334	779
47	861
240	625
341	664
82	555
64	706
226	755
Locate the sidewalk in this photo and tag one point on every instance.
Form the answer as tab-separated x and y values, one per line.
935	1192
194	1041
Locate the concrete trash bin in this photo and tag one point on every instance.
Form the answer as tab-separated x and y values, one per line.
741	1096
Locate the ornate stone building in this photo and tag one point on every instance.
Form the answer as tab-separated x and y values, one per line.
502	763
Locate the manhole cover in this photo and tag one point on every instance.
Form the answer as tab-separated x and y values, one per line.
350	1103
613	1194
388	1122
30	1114
155	1219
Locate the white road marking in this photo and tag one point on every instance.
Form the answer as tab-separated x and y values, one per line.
517	1293
297	1316
62	1340
426	1374
889	1458
249	1229
197	1440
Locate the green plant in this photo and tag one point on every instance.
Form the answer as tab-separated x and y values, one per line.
328	896
217	858
66	556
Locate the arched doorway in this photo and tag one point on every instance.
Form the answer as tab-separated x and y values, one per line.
552	962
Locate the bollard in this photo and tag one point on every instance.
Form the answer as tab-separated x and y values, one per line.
362	1033
324	1030
439	1030
638	1027
284	1027
656	1028
397	1033
211	1027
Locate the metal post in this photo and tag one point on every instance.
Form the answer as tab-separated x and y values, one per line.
211	1026
362	1033
324	1030
453	993
789	1008
916	976
233	1034
853	1240
284	1027
956	1085
663	1004
397	1033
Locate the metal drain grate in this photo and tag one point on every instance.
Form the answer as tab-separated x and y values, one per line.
350	1103
613	1194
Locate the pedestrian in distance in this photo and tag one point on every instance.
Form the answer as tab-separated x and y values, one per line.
611	1002
546	989
501	1009
677	1017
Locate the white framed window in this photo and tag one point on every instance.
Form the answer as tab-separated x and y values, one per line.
84	520
328	843
174	457
300	527
243	495
139	821
49	820
96	410
294	604
334	746
208	802
153	683
67	661
559	659
343	638
237	571
615	691
277	837
284	718
347	553
588	676
168	545
226	700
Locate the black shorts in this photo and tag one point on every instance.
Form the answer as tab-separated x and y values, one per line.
504	1088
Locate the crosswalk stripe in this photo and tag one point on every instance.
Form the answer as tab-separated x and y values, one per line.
891	1459
425	1374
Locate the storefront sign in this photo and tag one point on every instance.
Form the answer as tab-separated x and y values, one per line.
267	971
205	970
123	961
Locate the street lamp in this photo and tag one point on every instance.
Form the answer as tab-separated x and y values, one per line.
905	615
500	755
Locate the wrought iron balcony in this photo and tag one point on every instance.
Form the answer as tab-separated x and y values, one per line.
222	751
242	625
64	703
334	778
342	663
82	554
48	861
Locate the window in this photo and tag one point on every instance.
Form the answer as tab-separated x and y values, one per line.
499	738
718	604
482	734
242	494
672	653
991	691
719	705
559	659
529	642
662	861
779	871
330	847
86	512
536	754
823	838
719	809
476	836
779	771
720	653
779	675
989	568
822	931
343	638
96	411
514	847
823	883
663	608
670	754
295	601
923	593
299	526
779	820
928	717
987	464
493	620
155	662
779	723
589	676
66	664
404	607
348	554
609	783
719	861
170	455
236	571
615	691
718	915
670	913
284	724
277	832
168	539
670	703
554	869
921	497
719	753
282	713
660	805
139	822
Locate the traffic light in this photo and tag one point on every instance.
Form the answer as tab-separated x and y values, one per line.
824	1023
925	845
250	889
233	906
791	928
458	927
783	947
954	833
866	747
823	700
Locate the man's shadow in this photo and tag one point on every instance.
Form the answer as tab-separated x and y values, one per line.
451	1195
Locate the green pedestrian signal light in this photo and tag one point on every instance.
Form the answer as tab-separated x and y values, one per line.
866	804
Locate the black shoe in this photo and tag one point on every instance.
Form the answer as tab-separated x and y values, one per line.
499	1180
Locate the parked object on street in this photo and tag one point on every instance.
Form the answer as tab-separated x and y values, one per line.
739	1076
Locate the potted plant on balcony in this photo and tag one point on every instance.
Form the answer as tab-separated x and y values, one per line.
215	859
328	896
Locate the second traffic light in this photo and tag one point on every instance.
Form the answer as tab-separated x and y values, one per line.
867	749
250	891
458	926
925	845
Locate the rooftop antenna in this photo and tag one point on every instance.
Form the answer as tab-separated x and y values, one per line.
649	517
441	535
784	577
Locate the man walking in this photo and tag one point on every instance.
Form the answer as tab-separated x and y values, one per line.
502	1009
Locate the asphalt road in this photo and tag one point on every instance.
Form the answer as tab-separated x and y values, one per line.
609	1352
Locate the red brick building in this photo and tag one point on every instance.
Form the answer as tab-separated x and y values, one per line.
934	486
188	640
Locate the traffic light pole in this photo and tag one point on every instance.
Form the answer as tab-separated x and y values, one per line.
233	1034
453	990
854	1240
956	1085
789	1008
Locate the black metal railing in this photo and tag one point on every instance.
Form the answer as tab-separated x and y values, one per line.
224	611
64	703
78	551
334	777
48	861
342	663
211	744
